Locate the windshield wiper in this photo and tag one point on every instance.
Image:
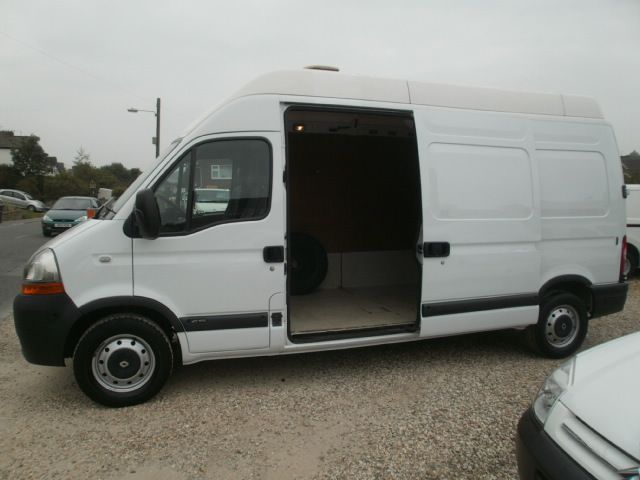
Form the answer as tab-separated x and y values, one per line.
104	206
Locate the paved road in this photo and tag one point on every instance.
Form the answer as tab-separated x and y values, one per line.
18	240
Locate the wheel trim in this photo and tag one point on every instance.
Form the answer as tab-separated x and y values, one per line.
123	363
561	326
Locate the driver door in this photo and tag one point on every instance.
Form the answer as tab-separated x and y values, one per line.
208	264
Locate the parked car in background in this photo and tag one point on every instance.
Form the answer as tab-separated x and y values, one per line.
22	200
65	213
585	421
211	200
633	231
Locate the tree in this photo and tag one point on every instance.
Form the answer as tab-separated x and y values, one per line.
82	157
30	159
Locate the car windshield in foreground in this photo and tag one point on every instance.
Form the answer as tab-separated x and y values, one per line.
69	203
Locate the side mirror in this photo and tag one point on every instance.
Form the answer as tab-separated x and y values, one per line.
147	214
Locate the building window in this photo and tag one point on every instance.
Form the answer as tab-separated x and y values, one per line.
221	171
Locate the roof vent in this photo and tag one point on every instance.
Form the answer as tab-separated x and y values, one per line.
327	68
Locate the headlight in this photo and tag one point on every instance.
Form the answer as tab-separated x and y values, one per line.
42	267
553	387
46	218
80	219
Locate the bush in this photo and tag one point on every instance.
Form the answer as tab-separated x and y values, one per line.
30	185
62	185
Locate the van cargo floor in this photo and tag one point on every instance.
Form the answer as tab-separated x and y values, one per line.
353	308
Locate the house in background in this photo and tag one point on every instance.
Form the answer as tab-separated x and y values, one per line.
9	140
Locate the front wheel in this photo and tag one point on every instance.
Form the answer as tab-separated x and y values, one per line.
122	360
31	208
561	328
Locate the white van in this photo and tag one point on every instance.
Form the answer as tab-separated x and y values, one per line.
361	211
633	230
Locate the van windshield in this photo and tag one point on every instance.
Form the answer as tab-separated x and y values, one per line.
110	210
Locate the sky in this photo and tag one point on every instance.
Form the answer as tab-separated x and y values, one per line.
69	69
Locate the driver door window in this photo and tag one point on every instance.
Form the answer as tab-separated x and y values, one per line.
216	182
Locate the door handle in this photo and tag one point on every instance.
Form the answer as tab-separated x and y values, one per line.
273	254
436	249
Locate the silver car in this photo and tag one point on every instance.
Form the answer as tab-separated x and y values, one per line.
22	200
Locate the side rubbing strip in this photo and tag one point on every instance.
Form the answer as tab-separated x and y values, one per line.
225	322
479	304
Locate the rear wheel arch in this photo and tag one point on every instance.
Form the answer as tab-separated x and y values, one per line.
574	284
95	311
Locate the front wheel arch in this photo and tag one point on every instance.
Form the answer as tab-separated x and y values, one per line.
94	312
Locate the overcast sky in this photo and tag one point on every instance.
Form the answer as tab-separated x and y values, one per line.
70	69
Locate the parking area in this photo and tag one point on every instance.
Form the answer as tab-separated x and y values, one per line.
445	408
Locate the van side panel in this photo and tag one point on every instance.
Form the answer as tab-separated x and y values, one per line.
582	209
480	196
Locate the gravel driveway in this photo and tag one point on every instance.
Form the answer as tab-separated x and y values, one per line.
444	409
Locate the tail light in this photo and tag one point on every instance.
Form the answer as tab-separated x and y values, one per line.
623	258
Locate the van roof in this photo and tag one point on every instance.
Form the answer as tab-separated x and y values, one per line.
319	83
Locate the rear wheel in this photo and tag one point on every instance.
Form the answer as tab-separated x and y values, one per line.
630	262
122	360
561	328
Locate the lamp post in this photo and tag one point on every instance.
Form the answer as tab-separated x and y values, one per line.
156	139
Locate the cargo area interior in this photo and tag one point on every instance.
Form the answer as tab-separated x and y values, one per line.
354	214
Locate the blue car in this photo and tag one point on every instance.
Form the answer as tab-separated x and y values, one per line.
65	213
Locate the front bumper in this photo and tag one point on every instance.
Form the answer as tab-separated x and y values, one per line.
43	323
51	227
608	299
540	458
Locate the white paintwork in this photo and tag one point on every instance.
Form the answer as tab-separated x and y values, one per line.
217	271
482	154
601	406
78	251
445	325
315	83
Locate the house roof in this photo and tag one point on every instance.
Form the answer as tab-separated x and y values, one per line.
8	140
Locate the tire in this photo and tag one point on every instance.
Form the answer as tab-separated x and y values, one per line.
46	233
561	328
31	208
308	263
631	262
122	360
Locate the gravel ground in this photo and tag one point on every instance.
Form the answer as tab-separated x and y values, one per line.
440	409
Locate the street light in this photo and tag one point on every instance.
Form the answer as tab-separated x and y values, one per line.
156	139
